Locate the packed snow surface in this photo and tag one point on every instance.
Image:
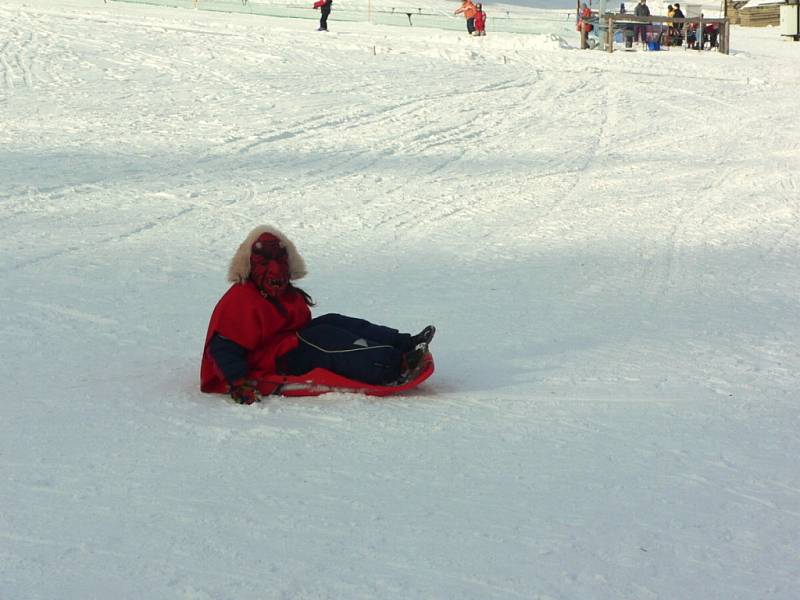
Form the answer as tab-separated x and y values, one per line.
608	245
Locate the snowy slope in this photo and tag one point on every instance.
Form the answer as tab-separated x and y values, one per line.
607	244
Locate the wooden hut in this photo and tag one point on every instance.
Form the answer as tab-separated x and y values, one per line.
732	8
760	13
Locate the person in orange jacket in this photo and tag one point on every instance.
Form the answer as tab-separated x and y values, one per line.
467	9
480	20
325	8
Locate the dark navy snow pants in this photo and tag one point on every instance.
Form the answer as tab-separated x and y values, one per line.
354	348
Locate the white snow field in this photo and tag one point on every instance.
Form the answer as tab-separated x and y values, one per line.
609	246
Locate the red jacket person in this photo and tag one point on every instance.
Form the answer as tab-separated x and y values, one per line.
324	7
262	325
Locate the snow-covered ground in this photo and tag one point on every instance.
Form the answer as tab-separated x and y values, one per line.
608	244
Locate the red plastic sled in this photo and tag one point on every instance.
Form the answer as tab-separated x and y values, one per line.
322	381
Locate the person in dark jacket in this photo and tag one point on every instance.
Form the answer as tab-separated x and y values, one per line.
678	14
324	7
640	31
710	35
262	326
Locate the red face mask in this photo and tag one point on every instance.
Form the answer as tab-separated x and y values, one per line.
269	265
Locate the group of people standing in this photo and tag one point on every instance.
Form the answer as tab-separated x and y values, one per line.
709	35
642	10
676	31
474	15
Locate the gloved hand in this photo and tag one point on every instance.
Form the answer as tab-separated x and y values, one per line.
244	391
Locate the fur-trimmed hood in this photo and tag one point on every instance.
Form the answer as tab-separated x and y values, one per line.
239	270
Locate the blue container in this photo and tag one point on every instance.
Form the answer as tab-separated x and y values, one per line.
653	46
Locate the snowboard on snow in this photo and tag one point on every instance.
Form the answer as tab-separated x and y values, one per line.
322	381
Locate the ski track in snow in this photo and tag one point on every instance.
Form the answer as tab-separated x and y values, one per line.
607	244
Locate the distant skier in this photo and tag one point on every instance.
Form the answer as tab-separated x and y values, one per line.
263	326
325	9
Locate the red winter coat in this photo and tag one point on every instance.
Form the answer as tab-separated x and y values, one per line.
245	317
320	3
480	20
583	22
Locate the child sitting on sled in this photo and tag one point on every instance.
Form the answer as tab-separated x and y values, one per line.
263	326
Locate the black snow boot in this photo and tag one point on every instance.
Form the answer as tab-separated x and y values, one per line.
423	337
